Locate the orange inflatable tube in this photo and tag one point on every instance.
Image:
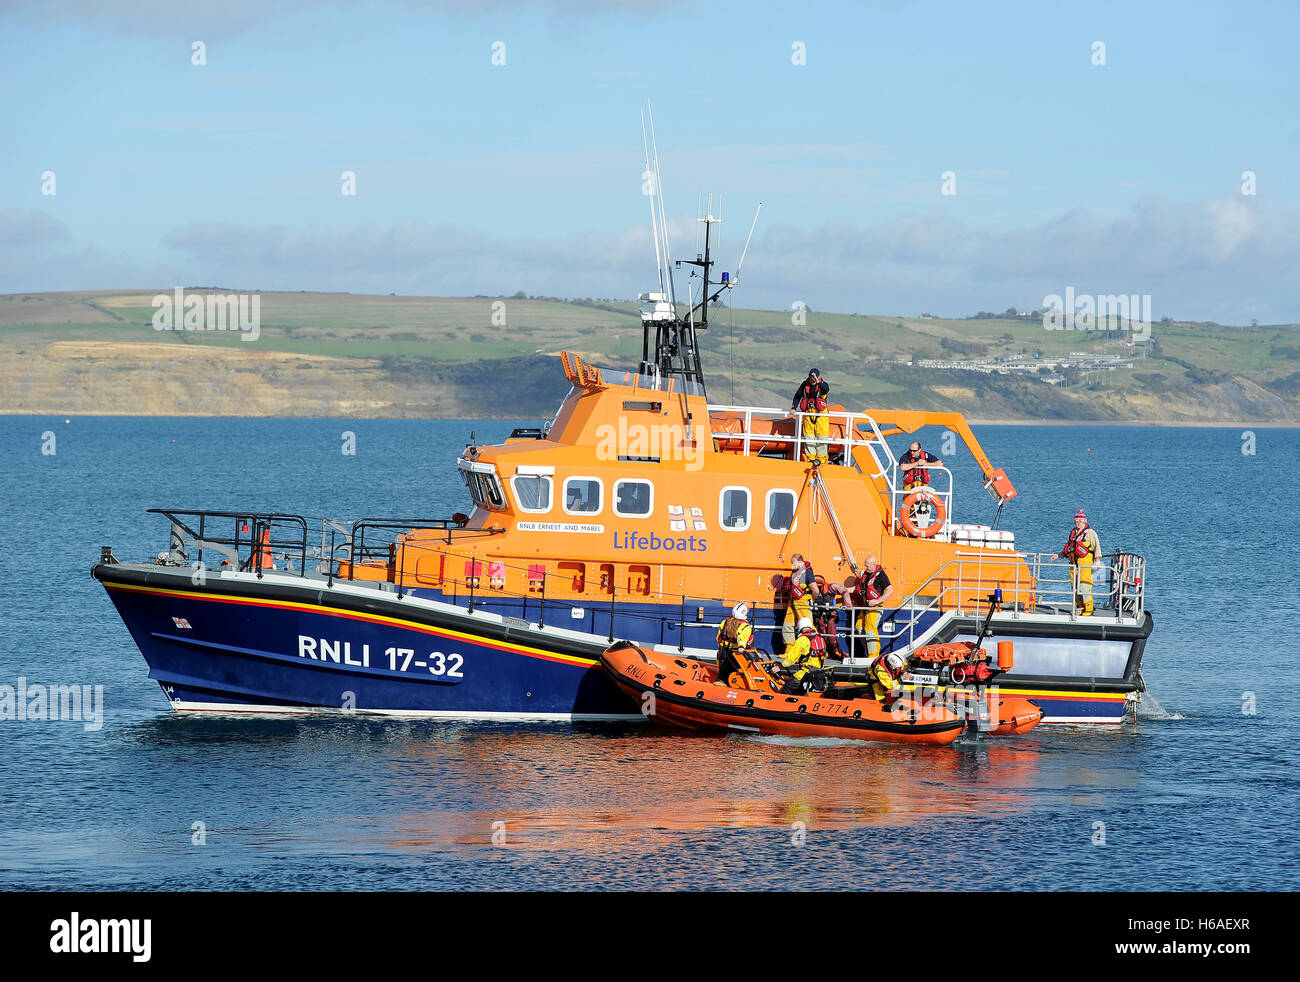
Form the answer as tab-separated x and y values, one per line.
681	691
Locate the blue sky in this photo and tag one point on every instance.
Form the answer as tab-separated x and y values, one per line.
479	178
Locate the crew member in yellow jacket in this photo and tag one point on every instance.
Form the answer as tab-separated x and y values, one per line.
883	675
734	634
1082	549
806	654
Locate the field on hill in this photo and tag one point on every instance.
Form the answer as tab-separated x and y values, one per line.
353	355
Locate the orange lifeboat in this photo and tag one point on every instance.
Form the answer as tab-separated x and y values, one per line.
683	692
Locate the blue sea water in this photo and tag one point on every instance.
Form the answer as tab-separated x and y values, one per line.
1200	796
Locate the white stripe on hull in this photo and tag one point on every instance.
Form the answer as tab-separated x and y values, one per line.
220	708
1082	721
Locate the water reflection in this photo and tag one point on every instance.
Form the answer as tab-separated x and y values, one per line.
550	790
357	786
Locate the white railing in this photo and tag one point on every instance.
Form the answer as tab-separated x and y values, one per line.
897	495
792	444
962	586
860	433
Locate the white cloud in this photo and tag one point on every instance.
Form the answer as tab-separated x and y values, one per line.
20	229
218	18
1223	259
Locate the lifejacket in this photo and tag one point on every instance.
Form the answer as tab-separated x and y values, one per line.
816	648
879	665
865	589
872	591
883	682
916	474
811	399
729	634
1076	546
799	590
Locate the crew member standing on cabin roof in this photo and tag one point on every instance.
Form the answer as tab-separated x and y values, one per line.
915	476
803	588
808	653
869	596
734	634
1082	549
810	399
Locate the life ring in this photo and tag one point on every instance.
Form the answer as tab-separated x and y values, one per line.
905	514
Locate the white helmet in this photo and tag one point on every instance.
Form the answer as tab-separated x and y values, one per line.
894	663
805	624
741	611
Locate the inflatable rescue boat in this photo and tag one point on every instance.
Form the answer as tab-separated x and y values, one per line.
686	692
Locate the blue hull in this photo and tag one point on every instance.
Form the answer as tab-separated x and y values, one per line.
287	643
217	648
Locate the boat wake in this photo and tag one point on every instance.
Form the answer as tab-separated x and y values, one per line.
1149	708
781	740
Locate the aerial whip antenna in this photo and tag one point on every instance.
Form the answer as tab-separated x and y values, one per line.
654	193
740	264
663	221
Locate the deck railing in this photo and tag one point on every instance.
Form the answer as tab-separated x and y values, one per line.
961	585
861	445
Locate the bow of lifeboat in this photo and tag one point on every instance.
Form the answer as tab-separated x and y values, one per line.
684	692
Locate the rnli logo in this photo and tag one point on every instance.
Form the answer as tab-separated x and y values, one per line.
678	520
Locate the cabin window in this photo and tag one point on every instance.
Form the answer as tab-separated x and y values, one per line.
532	492
780	510
633	499
733	509
582	495
484	489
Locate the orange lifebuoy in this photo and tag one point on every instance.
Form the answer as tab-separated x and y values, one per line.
905	514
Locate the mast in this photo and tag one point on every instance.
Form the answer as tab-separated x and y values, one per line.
676	351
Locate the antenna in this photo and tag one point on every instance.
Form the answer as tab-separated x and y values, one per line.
654	193
663	222
741	264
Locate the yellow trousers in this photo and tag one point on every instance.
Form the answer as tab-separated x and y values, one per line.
1082	576
869	628
797	609
816	433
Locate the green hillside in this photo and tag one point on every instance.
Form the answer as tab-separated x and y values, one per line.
343	354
